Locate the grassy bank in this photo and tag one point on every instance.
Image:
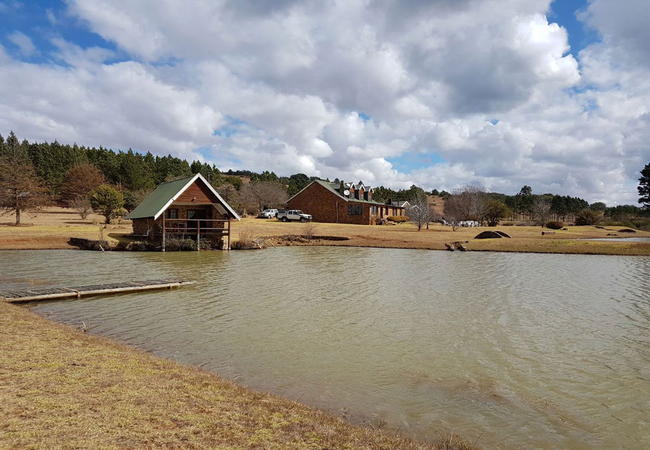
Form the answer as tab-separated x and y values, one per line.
53	227
61	388
524	239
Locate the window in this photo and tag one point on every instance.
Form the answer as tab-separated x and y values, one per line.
171	214
373	210
355	210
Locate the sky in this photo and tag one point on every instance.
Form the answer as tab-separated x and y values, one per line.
438	93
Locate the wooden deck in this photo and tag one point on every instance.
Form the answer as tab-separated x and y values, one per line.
55	293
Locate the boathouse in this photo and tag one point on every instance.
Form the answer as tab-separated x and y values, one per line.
185	208
342	202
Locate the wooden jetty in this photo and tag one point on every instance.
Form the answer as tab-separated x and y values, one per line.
55	293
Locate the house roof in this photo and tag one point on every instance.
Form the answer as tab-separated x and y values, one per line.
165	194
334	187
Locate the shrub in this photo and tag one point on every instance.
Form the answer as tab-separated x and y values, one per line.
555	225
587	217
82	206
398	219
179	245
310	230
247	241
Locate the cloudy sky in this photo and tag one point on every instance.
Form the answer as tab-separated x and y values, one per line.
439	93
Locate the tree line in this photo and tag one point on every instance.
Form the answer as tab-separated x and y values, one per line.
113	182
36	174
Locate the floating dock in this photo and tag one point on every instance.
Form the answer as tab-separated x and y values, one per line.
56	293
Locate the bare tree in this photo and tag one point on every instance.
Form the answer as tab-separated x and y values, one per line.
20	188
83	206
467	203
541	210
420	212
264	194
229	193
309	230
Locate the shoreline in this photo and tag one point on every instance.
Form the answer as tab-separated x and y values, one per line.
640	249
586	252
62	385
52	229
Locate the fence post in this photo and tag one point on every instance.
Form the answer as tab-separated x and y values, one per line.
163	232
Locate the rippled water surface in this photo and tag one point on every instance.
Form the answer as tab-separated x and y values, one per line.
516	350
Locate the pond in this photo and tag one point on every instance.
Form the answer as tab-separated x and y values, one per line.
621	239
515	350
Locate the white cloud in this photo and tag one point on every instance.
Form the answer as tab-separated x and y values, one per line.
24	43
338	89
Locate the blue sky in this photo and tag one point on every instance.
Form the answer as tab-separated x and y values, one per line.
41	21
563	12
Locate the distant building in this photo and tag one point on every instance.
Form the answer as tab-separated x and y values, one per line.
189	207
343	203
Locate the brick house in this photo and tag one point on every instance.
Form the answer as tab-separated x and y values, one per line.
186	208
342	203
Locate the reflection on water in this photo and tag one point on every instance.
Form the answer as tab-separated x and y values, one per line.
524	350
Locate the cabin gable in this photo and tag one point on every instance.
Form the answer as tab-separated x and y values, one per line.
197	193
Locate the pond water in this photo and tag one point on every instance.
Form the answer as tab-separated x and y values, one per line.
621	239
515	350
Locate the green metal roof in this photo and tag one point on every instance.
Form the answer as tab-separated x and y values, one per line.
157	200
166	193
334	187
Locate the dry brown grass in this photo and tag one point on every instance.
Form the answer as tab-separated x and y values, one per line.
524	239
63	389
54	227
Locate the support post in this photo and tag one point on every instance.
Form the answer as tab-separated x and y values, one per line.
163	232
198	235
228	248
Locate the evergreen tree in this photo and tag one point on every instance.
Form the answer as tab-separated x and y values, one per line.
20	188
644	187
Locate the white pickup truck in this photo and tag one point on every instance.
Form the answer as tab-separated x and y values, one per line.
293	214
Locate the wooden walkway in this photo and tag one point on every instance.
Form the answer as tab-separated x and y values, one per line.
55	293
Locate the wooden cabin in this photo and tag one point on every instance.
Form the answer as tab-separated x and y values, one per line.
186	208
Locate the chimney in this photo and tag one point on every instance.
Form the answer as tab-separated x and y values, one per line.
369	195
342	188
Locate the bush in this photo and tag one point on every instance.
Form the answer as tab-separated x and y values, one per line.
108	201
398	219
555	225
310	230
587	217
179	245
247	241
82	206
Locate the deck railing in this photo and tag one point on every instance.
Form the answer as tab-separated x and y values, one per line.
196	226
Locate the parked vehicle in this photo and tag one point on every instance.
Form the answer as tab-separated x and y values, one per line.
293	214
268	213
